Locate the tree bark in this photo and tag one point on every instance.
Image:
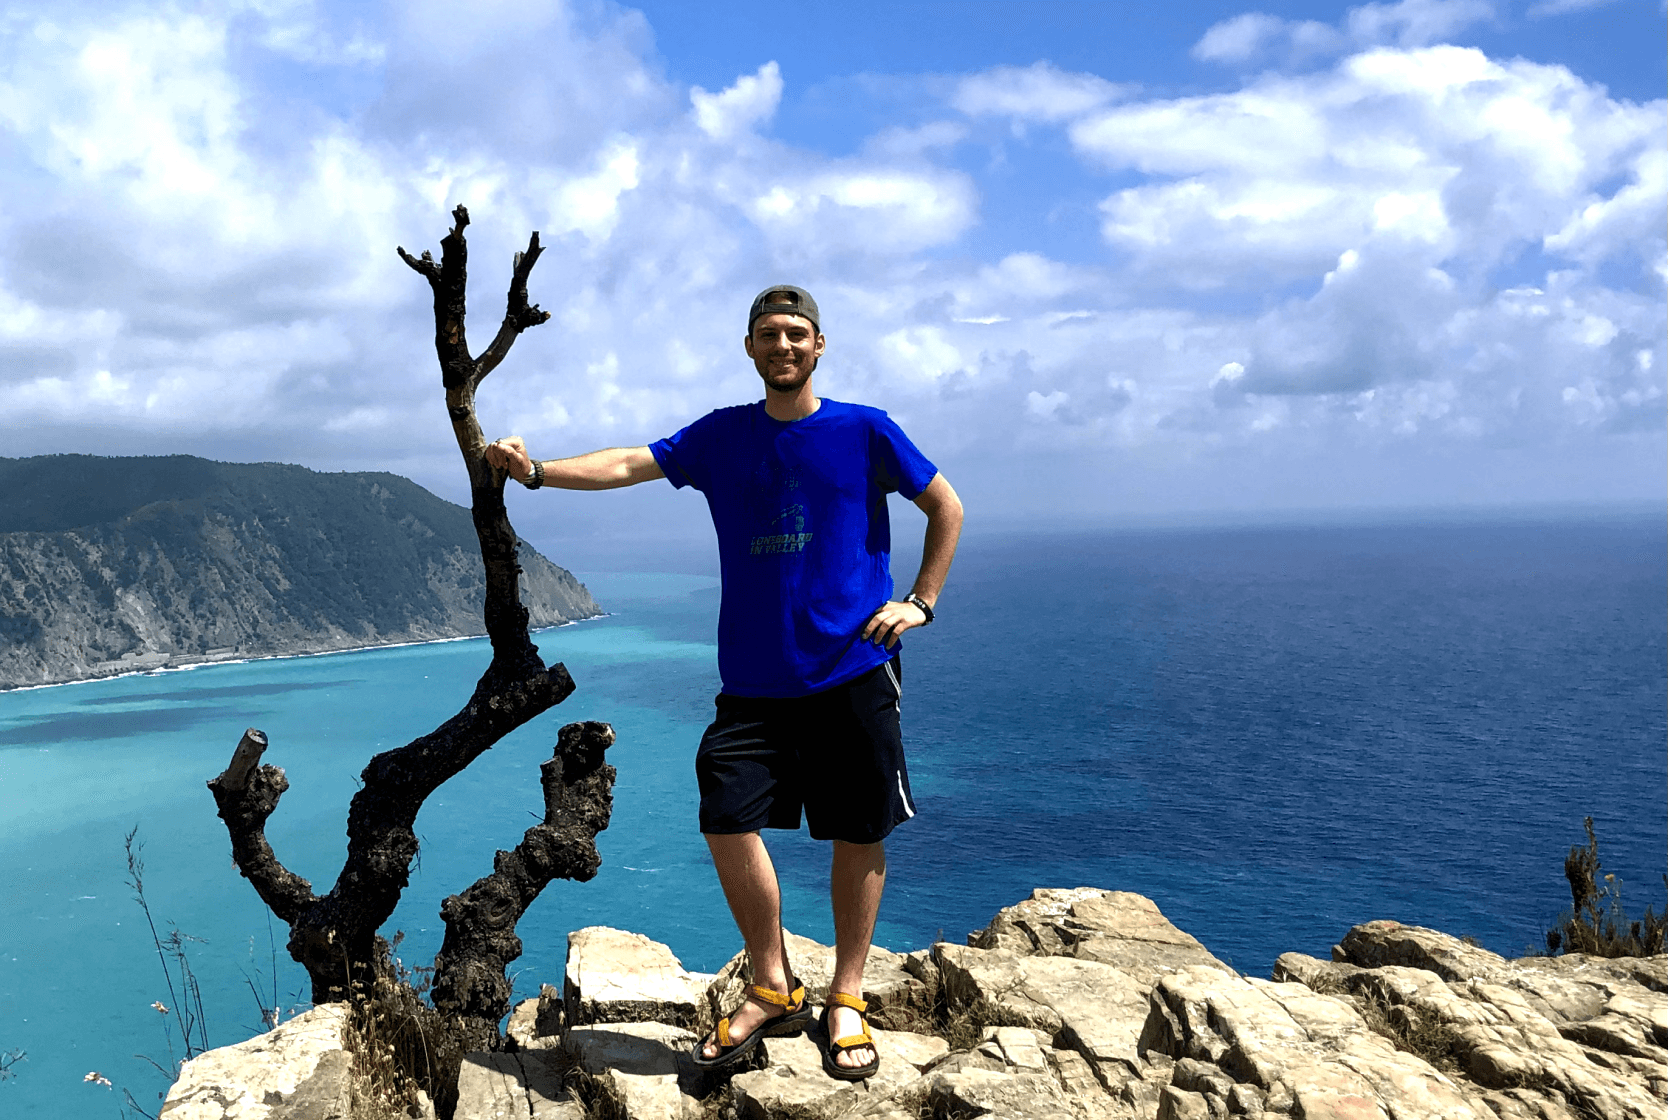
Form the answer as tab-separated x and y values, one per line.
334	935
470	969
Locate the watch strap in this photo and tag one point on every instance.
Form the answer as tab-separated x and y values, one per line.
921	604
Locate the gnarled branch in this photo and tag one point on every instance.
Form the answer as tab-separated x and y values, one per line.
469	971
246	795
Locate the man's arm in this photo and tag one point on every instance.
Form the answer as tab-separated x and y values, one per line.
943	509
598	470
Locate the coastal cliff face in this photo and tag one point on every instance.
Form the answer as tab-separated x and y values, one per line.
115	565
1081	1004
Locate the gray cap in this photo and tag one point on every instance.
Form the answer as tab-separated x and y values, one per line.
789	301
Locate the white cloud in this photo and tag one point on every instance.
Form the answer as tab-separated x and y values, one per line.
1414	23
1406	245
1039	92
1255	36
743	106
1440	146
1251	34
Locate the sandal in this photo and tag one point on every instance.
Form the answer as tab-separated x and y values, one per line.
838	1046
795	1017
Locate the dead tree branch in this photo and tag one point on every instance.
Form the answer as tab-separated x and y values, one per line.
469	971
334	936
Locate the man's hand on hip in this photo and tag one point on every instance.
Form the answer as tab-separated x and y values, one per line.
887	624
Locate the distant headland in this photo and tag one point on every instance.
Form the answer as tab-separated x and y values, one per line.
119	565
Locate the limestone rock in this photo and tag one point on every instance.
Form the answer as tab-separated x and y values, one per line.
1537	1036
1530	1039
514	1086
1313	973
1087	1006
614	976
1032	926
897	999
794	1081
1025	1096
536	1024
1020	1048
297	1070
644	1065
1285	1048
1374	944
1125	930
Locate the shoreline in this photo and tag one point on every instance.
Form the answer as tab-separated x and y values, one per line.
158	670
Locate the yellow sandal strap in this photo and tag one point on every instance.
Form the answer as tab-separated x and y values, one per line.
723	1033
857	1005
776	999
852	1041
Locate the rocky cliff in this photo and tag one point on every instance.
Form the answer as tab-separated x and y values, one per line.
1080	1004
108	565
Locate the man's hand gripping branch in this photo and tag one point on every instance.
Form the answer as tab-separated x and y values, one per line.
608	469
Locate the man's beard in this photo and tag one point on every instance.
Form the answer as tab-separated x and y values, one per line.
785	383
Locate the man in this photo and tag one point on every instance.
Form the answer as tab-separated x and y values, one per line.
807	635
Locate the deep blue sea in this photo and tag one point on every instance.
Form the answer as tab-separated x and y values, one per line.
1276	733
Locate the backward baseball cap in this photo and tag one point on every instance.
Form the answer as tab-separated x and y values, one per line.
788	300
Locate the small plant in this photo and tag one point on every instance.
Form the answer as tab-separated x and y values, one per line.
1408	1030
1596	924
184	1008
8	1059
399	1044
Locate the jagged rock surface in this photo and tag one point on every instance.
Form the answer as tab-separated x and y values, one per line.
117	565
1087	1004
615	976
299	1070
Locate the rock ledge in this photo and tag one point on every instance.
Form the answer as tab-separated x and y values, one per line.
1081	1004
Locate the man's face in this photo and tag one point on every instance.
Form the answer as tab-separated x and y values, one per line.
784	349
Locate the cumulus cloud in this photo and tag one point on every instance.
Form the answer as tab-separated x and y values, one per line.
748	103
1039	92
1386	194
1257	36
1440	153
1409	243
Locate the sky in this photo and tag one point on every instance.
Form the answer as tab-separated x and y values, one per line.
1100	260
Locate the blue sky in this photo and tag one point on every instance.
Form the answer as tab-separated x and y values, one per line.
1101	260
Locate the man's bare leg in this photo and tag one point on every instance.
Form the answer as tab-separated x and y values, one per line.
755	898
856	880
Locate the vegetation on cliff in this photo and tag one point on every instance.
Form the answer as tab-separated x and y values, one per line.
115	564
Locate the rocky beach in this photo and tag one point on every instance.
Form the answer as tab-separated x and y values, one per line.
1080	1003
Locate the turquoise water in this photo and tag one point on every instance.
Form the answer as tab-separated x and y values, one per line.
1275	733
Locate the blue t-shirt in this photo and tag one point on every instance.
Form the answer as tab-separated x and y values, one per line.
804	544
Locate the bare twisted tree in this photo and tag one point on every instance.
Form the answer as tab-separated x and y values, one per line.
334	936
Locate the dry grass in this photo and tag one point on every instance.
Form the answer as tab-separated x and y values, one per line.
397	1044
1423	1036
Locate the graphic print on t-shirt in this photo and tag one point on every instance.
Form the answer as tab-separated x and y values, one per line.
790	536
778	515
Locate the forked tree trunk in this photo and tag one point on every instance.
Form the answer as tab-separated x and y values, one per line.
334	936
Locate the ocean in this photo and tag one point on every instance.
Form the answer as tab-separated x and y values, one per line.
1275	733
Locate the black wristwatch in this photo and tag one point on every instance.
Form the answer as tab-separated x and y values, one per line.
537	479
922	604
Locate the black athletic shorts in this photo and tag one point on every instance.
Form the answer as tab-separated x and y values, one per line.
836	753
